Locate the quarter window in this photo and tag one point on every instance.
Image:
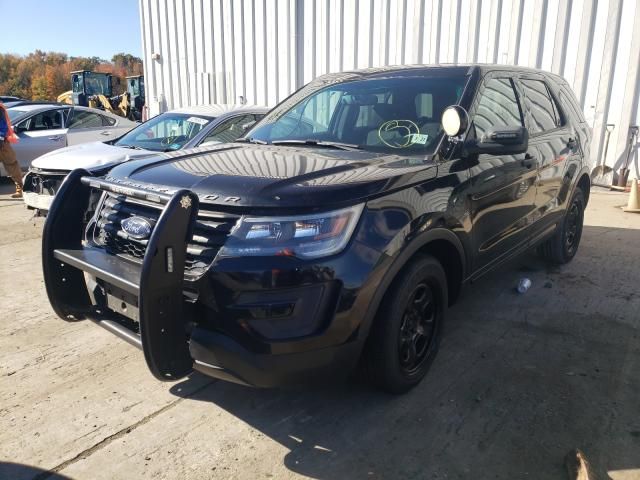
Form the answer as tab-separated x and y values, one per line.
544	111
498	106
108	121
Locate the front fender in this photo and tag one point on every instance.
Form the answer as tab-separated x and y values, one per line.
385	275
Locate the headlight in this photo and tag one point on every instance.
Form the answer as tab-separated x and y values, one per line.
302	236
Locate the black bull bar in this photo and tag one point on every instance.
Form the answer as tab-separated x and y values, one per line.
157	283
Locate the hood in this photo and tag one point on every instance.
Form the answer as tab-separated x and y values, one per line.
87	155
275	176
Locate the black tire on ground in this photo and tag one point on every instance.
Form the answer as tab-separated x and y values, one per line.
404	336
563	245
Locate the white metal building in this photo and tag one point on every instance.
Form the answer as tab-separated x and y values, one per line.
216	51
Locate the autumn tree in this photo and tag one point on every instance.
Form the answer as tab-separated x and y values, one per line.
44	75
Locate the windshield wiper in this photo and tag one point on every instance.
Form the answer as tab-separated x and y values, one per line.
134	147
319	143
251	140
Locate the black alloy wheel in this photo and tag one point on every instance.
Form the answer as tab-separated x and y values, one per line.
563	245
404	337
418	328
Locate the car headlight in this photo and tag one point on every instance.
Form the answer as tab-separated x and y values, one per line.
301	236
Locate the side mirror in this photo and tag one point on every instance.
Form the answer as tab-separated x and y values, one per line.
455	120
501	141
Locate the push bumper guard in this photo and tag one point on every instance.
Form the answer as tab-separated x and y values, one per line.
157	283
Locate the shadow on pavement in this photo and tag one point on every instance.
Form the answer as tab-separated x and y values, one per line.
18	471
520	381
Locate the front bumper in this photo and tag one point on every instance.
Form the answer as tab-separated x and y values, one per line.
37	201
40	188
145	304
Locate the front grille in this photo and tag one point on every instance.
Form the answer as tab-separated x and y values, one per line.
209	233
44	183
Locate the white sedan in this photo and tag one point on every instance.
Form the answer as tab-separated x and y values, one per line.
183	128
43	128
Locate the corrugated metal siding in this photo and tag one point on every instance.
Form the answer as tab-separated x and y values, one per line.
216	51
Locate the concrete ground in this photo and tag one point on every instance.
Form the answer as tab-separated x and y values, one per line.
520	380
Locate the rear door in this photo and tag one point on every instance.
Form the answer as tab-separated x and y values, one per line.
114	126
39	134
86	126
552	140
502	194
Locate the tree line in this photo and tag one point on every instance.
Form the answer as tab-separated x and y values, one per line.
45	75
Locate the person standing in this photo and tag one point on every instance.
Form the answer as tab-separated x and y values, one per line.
7	154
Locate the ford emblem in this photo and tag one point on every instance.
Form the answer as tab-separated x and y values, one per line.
136	227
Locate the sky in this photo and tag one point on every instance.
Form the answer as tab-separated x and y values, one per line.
75	27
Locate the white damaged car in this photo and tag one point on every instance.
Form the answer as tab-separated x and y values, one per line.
182	128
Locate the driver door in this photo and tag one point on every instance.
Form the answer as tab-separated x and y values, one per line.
503	193
39	134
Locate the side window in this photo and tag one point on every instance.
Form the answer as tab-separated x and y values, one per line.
45	121
83	119
544	112
498	106
311	116
108	121
231	129
567	99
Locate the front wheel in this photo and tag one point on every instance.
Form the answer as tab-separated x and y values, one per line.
404	337
562	247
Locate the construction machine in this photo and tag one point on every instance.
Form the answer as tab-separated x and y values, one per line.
136	91
95	89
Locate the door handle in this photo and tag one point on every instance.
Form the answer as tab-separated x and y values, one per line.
106	132
55	138
529	161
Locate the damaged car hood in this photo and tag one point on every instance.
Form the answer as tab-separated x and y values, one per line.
89	156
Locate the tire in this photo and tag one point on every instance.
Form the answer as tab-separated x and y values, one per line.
404	336
562	247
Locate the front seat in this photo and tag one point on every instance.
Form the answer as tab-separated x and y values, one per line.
47	122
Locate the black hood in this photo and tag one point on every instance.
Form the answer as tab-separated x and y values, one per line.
275	176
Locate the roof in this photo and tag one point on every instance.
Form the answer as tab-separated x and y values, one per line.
28	108
218	109
439	68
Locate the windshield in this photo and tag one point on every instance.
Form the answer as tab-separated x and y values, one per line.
15	113
96	84
395	115
166	132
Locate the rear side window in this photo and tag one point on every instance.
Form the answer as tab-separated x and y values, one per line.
82	119
545	114
498	106
231	129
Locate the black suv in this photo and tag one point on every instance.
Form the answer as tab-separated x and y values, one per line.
336	233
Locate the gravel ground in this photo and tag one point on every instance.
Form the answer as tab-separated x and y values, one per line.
519	381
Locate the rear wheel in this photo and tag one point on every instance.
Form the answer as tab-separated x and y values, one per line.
404	337
562	247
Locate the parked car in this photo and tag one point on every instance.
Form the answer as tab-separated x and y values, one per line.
174	130
336	233
43	128
10	98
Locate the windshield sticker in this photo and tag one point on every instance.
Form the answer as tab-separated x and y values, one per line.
399	133
419	138
198	120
